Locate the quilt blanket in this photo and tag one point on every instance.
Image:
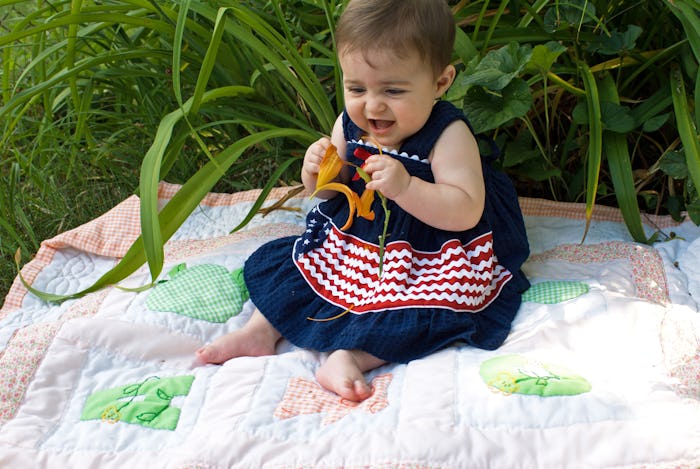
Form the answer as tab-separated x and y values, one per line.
601	369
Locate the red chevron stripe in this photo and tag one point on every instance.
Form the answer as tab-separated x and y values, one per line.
352	285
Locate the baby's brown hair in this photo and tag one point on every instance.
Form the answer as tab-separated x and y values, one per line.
399	27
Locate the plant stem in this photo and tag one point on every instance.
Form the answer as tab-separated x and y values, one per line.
382	238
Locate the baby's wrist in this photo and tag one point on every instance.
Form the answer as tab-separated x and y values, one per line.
405	189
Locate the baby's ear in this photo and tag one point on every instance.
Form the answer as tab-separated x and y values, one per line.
444	80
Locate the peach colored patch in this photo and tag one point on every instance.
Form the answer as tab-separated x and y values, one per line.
307	397
577	211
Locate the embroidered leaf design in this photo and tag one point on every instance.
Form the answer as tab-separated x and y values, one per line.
131	390
147	416
163	395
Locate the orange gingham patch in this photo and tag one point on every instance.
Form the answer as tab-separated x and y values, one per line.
167	191
307	397
109	235
577	211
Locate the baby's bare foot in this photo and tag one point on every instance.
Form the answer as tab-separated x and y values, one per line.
342	373
256	339
240	343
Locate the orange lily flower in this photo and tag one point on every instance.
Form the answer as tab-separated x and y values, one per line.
331	164
328	171
363	208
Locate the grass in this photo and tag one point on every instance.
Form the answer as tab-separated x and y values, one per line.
590	101
53	190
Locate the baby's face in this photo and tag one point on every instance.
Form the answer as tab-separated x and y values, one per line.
390	98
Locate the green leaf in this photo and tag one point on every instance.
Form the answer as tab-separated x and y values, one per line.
264	193
655	123
613	116
580	113
209	60
694	211
687	13
618	42
571	14
673	164
652	106
464	47
616	118
544	56
499	67
595	144
539	170
686	127
519	150
617	154
487	111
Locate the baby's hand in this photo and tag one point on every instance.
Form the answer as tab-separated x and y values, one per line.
314	155
388	175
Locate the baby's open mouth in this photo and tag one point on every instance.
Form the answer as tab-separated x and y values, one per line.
380	124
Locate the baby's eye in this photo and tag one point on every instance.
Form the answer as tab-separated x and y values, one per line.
356	90
394	91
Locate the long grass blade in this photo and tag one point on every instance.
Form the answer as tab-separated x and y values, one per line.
464	47
177	49
209	60
151	171
686	128
176	211
617	154
595	142
688	16
111	18
272	182
81	66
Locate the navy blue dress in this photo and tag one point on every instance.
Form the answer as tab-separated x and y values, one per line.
437	287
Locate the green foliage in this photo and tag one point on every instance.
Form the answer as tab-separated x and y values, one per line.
588	99
221	96
591	101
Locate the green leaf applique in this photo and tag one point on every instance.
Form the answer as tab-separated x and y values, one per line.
555	291
208	292
517	374
146	403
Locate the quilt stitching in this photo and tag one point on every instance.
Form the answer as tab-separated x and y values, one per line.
28	346
647	266
19	361
25	351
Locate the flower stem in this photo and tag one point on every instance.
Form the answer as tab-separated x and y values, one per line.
382	237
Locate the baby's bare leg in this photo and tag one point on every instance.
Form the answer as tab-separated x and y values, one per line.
255	339
342	373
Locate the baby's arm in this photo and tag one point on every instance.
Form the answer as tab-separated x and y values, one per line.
455	201
314	155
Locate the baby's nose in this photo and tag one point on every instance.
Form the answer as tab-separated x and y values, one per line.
375	104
